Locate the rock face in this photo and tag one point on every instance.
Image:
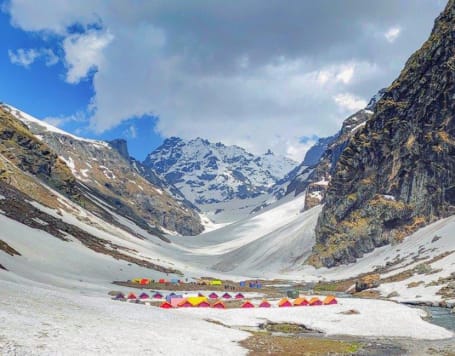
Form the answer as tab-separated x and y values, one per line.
397	173
209	173
314	179
106	173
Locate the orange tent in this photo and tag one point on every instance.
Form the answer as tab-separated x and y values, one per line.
219	304
145	281
330	299
166	305
284	303
300	302
185	304
265	304
247	304
315	301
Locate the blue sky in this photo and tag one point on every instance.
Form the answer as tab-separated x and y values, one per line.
234	72
41	91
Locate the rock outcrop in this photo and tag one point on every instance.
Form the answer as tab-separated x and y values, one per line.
397	173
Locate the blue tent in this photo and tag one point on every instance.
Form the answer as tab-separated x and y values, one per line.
242	284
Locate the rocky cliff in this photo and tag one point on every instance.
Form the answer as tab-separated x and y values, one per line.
397	173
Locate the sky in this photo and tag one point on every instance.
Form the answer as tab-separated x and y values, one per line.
259	74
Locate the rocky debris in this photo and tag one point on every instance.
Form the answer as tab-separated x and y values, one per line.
397	173
367	282
392	295
8	249
121	146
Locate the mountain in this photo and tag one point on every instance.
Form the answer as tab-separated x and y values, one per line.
209	173
103	173
320	161
397	172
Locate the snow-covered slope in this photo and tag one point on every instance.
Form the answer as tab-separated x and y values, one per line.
208	173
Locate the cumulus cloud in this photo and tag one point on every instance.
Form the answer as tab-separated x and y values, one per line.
23	57
349	102
84	52
26	57
254	74
392	34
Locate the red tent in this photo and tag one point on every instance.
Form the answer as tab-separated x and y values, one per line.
219	304
315	301
132	296
145	281
264	304
247	304
239	296
166	305
213	295
284	303
185	304
330	299
203	304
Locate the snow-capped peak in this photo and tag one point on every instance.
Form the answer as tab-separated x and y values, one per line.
209	172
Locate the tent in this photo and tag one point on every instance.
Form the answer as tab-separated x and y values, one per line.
219	305
227	296
216	282
196	300
315	301
144	296
247	304
299	302
264	304
203	304
120	295
158	295
330	299
185	304
166	305
175	302
242	284
175	281
136	280
284	303
163	281
144	281
239	296
131	296
200	294
169	296
213	295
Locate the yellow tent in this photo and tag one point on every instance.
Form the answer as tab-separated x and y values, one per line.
136	280
195	301
216	282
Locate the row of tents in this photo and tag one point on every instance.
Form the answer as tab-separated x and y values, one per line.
202	302
158	295
146	281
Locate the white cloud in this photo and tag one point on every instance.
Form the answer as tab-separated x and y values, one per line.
349	102
201	78
23	57
131	132
60	121
84	52
26	57
392	34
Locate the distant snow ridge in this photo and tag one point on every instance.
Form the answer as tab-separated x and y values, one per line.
207	172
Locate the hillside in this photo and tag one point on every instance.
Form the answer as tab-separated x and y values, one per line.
398	172
105	174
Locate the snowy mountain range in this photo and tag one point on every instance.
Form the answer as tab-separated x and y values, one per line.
208	173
